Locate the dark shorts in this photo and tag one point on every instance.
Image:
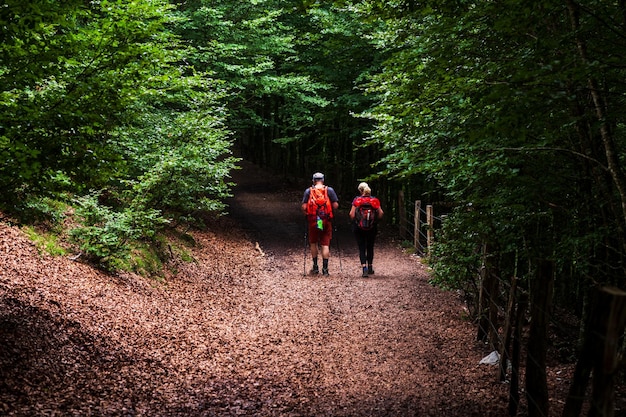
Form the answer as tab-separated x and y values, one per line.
322	237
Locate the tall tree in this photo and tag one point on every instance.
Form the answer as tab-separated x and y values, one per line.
495	103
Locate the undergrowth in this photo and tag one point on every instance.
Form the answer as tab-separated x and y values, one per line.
139	241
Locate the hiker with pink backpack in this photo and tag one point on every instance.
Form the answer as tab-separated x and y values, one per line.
365	214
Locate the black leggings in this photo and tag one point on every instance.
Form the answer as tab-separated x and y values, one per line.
365	239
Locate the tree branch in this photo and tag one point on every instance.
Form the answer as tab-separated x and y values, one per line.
562	150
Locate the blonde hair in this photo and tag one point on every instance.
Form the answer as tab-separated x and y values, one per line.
365	189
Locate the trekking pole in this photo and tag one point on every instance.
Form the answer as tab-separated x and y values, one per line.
338	248
306	235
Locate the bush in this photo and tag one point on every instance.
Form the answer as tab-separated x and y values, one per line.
43	210
106	235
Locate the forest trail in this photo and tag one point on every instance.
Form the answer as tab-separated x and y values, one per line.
238	332
387	345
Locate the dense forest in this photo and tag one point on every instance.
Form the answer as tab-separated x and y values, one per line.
123	119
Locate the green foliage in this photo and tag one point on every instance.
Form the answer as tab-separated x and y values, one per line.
184	184
147	259
485	104
39	209
178	151
106	236
291	69
247	45
46	242
488	103
68	72
407	247
456	254
101	96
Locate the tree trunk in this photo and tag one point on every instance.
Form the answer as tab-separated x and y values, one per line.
541	286
522	305
506	330
600	354
487	306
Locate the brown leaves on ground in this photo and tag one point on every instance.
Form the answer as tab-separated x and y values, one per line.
240	330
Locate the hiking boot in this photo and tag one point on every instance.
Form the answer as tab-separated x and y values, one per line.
325	271
365	272
370	270
315	270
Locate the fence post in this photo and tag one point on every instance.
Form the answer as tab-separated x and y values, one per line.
430	219
416	227
402	214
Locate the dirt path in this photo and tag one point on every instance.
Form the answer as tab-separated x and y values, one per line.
236	332
387	345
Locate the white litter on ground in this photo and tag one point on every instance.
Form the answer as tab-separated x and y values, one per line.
492	359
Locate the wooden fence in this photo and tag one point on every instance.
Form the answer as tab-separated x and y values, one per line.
417	224
600	355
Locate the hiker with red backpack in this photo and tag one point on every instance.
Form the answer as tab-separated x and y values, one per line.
318	204
365	214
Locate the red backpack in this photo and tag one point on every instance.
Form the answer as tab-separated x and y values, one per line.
366	212
319	204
